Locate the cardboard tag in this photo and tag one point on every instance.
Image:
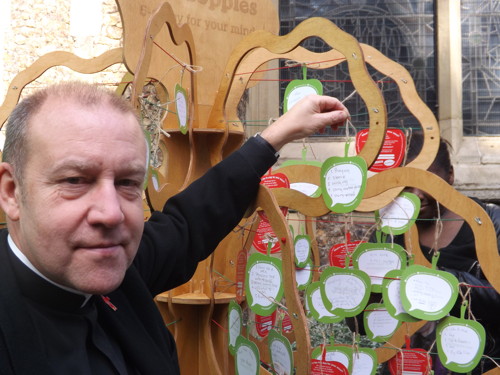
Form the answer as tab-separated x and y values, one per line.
391	154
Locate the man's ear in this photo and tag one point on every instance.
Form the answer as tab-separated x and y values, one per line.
9	194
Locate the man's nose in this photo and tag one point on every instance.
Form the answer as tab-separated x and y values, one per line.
105	207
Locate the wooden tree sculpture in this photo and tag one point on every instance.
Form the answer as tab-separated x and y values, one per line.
159	54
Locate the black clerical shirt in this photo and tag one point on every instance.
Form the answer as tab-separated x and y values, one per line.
68	323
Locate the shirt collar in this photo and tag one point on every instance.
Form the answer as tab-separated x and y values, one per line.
30	265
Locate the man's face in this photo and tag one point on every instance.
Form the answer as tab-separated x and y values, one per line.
80	214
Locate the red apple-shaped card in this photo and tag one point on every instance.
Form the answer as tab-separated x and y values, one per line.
334	353
181	105
426	293
379	324
343	182
264	283
392	152
281	353
235	322
345	292
391	296
364	362
247	357
300	88
411	361
398	216
338	252
273	181
460	342
315	306
376	259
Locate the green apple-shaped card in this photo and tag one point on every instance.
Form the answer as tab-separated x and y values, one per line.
281	353
345	292
364	362
264	283
391	296
334	353
247	357
235	322
379	324
460	342
181	105
426	293
302	246
398	216
316	307
343	182
376	259
300	88
304	275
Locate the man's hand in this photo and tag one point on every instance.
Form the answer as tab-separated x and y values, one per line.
310	115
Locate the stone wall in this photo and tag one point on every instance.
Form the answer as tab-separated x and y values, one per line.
33	28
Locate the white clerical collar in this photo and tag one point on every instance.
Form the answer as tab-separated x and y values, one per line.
30	265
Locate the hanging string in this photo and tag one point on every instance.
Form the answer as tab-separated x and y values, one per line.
189	67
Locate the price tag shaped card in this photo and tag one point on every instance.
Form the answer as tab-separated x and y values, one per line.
343	182
264	235
300	88
379	324
364	362
263	324
321	367
264	283
345	292
235	322
241	265
376	259
181	105
334	353
391	296
426	293
460	342
316	307
304	275
398	216
274	181
247	357
281	353
302	246
410	361
338	252
392	152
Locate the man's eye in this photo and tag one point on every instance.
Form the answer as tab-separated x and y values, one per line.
128	182
74	180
